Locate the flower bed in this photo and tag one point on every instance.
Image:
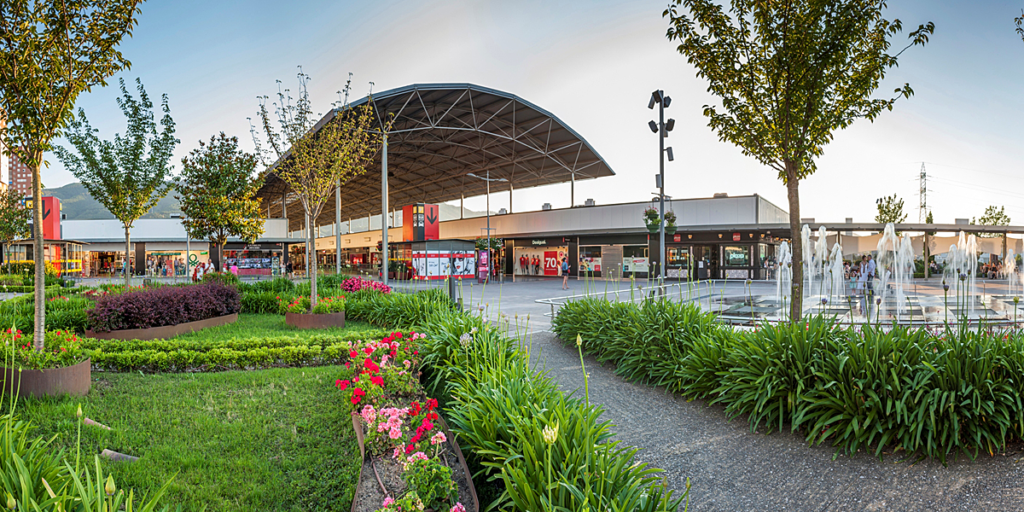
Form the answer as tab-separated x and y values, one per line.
410	462
163	306
354	284
526	435
61	367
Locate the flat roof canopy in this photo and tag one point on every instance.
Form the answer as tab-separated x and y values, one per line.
440	134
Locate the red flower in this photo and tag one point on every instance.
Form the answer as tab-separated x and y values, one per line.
394	354
353	354
377	380
431	404
427	425
409	449
355	400
415	352
348	365
415	438
358	392
368	350
342	384
399	336
370	365
414	408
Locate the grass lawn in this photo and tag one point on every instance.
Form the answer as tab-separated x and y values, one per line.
266	326
261	440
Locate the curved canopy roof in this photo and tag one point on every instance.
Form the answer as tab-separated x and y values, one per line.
443	132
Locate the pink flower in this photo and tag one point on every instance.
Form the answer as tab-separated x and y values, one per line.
407	363
458	508
395	433
369	414
388	501
438	438
398	451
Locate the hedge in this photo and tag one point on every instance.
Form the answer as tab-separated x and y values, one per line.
500	408
235	354
157	307
935	394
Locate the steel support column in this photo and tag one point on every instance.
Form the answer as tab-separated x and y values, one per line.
384	209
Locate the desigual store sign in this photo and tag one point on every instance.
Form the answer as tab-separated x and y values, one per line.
539	256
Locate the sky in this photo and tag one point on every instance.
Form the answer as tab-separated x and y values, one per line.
594	64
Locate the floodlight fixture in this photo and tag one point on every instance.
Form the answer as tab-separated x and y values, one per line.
671	123
651	103
656	96
654	126
667	101
671	157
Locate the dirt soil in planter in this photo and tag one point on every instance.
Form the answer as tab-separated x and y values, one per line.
369	496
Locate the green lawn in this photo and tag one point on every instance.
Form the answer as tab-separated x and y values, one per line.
266	326
263	440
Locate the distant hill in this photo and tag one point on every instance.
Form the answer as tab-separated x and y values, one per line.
77	204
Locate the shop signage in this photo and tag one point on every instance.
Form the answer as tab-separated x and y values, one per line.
551	263
252	247
735	237
677	237
539	242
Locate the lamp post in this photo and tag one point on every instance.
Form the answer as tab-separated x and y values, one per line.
488	179
661	128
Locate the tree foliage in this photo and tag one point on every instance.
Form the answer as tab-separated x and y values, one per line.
127	175
788	75
993	217
217	188
50	52
13	219
1020	24
890	210
314	163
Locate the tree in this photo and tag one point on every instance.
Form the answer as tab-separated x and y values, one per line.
1020	24
127	175
788	75
13	219
317	162
992	217
217	190
50	52
890	210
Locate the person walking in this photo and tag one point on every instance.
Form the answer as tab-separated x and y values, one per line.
565	273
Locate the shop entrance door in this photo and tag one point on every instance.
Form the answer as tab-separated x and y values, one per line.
706	261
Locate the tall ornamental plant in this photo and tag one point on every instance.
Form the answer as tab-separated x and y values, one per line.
217	189
127	175
315	163
788	75
50	52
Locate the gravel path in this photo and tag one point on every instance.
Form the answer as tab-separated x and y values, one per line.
731	468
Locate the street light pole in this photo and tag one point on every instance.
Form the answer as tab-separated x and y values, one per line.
661	128
488	179
384	208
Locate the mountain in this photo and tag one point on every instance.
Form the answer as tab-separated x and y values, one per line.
77	204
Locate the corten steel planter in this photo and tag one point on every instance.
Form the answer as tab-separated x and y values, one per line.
73	380
357	425
164	332
315	321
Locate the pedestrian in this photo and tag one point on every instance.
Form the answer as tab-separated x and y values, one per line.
565	273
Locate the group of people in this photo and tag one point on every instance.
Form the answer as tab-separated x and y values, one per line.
165	266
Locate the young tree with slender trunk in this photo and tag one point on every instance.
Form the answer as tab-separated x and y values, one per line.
890	210
127	175
50	52
13	220
316	163
217	189
788	75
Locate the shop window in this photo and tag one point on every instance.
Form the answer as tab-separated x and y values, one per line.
590	260
736	255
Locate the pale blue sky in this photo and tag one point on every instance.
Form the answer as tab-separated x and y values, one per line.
593	64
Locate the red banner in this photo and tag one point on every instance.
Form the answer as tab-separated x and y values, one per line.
551	263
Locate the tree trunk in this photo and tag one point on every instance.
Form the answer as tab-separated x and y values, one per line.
127	257
797	288
311	266
39	334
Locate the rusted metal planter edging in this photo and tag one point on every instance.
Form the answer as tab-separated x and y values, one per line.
73	380
315	320
357	425
163	332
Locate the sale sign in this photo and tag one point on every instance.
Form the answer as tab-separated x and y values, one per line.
551	263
